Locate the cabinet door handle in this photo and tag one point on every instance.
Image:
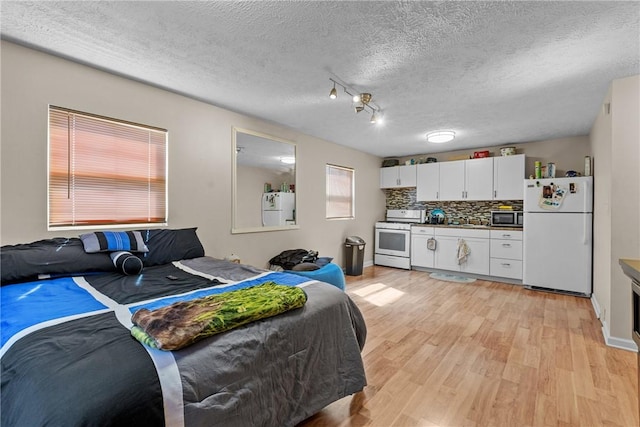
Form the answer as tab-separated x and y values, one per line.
437	195
506	245
506	264
495	193
506	235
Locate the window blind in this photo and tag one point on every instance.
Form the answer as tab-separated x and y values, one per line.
105	171
340	194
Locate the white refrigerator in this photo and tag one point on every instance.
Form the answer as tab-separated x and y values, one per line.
558	217
278	208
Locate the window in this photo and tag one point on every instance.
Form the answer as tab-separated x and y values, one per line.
340	185
105	172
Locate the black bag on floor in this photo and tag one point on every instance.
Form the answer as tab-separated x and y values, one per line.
291	257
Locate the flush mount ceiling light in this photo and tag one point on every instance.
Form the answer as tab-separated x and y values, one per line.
361	101
441	136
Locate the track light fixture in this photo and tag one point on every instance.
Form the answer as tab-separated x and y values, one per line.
362	101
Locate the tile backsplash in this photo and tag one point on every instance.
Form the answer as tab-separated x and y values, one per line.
478	212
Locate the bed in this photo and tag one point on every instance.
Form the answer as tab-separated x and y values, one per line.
68	356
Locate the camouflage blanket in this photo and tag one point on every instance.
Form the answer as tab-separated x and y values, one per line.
183	323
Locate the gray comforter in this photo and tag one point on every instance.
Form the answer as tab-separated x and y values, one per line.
85	369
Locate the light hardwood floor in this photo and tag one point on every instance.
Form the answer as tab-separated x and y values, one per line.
481	354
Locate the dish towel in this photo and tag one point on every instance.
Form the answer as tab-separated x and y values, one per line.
463	251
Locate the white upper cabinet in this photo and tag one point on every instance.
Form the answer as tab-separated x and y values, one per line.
452	180
487	178
467	179
428	182
398	176
479	179
508	177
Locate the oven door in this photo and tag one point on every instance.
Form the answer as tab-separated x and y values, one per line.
393	242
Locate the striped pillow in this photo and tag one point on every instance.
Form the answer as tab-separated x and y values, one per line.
109	241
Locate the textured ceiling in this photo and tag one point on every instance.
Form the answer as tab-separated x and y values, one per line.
494	72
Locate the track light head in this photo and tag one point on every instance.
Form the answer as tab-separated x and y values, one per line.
334	93
359	107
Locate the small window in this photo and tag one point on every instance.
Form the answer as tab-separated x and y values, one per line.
340	192
105	172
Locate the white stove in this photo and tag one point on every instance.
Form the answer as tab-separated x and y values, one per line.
389	225
393	237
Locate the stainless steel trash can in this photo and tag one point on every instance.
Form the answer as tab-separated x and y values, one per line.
355	255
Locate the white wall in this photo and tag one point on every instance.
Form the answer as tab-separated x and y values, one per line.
615	138
199	159
602	148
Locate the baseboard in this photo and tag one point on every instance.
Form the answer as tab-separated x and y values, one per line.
621	343
596	306
367	263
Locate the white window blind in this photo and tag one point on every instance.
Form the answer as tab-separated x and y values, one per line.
340	192
105	172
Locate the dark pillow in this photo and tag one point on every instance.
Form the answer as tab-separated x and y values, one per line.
127	263
169	245
323	260
57	256
305	266
109	241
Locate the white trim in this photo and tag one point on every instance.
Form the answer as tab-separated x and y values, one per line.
596	306
621	343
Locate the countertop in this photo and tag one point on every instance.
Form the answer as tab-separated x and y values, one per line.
466	227
631	268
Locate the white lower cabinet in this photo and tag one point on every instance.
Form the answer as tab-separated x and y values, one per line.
495	253
478	259
421	255
449	241
446	255
506	254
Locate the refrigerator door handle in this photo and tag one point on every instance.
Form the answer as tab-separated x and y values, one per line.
587	191
585	224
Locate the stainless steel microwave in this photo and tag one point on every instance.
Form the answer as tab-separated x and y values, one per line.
507	218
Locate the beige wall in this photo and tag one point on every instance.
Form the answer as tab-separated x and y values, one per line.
615	138
199	160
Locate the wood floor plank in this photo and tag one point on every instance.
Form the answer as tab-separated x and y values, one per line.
481	354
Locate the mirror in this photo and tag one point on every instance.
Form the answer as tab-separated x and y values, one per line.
264	182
